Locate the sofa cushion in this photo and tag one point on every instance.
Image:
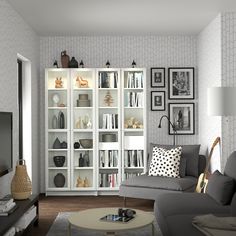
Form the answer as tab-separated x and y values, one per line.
190	152
165	162
220	187
159	182
182	167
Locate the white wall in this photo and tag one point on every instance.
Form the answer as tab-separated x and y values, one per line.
147	51
209	75
17	37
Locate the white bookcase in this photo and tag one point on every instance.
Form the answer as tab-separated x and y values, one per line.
99	111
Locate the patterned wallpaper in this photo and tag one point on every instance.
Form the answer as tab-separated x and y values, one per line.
17	37
147	51
209	75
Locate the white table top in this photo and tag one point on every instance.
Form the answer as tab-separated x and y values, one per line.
90	219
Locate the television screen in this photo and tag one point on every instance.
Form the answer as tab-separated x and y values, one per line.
5	142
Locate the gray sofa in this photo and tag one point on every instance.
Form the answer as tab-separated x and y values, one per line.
175	212
149	187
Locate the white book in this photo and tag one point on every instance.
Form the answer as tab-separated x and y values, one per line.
106	158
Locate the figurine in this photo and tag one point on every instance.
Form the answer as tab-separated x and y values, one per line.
58	83
80	183
132	123
108	100
78	123
81	83
86	182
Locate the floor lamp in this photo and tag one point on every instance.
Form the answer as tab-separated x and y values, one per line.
221	101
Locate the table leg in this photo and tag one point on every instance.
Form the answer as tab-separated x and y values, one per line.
69	229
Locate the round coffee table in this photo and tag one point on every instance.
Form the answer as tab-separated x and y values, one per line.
90	220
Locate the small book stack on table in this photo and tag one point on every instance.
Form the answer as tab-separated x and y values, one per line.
7	205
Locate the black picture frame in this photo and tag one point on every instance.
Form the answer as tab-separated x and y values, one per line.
158	77
181	83
182	115
158	100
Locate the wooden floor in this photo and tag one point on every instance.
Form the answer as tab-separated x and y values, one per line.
49	207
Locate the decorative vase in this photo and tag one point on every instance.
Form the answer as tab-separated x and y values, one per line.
59	180
81	161
64	145
86	158
61	120
56	144
59	160
21	185
76	145
54	122
73	63
64	59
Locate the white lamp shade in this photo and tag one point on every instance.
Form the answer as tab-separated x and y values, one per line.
221	101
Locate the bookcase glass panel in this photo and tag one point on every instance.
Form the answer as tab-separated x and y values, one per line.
83	98
133	98
83	179
58	78
83	158
78	75
87	138
83	119
108	119
133	119
51	162
108	79
108	98
57	98
57	119
58	179
133	79
108	178
62	137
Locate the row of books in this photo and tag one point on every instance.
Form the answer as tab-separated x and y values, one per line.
108	79
134	80
133	158
108	180
108	158
7	205
110	121
130	175
135	99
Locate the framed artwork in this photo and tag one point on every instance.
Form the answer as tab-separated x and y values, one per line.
182	115
158	77
158	101
181	83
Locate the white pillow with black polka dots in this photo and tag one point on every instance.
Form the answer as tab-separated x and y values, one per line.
165	162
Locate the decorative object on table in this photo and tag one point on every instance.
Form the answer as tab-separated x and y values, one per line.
81	160
21	185
172	125
59	180
86	182
61	105
73	63
133	64
108	64
58	83
59	160
109	138
86	143
64	145
61	120
54	122
56	144
55	64
55	99
133	123
182	116
78	123
81	83
158	77
86	159
80	182
86	121
83	101
181	83
76	145
158	101
108	100
203	178
65	59
81	64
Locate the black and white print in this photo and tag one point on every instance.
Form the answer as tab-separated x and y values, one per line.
158	77
165	162
158	101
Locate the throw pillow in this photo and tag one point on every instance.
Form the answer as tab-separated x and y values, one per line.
165	162
190	152
220	187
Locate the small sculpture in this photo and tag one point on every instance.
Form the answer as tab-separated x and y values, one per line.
132	123
55	99
86	159
78	123
58	83
64	59
80	183
86	182
81	83
108	100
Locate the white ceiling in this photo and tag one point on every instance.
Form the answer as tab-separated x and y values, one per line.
119	17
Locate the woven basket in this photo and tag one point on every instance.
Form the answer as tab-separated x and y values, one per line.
21	186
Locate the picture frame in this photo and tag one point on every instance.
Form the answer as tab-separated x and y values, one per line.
158	77
181	83
182	116
158	101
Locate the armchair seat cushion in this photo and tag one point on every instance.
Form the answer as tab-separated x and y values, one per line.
159	182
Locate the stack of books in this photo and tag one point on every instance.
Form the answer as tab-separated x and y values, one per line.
7	205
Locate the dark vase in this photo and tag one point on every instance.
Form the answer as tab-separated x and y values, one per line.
59	160
81	161
73	63
76	145
64	145
56	144
59	180
86	158
64	60
61	120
